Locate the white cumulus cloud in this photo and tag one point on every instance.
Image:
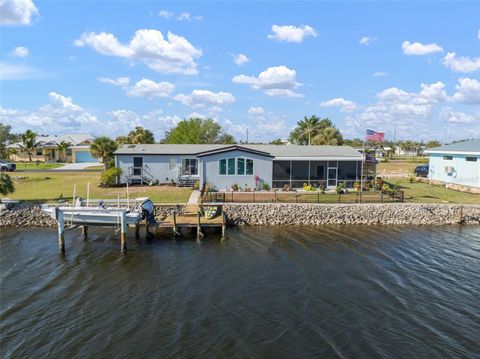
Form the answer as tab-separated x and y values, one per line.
455	117
467	91
150	89
366	40
165	14
461	64
240	59
170	54
202	98
120	81
20	51
291	33
345	105
417	48
275	81
17	12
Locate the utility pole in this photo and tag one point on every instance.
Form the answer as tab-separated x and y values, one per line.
247	135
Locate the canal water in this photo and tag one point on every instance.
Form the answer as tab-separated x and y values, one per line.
271	292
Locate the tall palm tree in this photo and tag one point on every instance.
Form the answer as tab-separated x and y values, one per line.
328	136
28	140
307	129
103	148
62	148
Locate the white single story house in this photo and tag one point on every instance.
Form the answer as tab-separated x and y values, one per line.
46	149
222	166
458	163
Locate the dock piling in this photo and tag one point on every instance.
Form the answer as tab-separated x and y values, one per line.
85	232
199	228
174	223
123	232
61	229
224	224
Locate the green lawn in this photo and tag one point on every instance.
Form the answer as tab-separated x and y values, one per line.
419	192
397	167
41	165
44	187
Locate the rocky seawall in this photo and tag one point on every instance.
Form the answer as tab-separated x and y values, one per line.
369	214
31	215
23	215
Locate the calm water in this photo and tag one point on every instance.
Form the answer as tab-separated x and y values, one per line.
283	292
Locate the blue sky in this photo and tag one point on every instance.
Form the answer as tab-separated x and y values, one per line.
105	67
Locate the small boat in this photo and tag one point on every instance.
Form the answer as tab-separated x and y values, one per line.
94	216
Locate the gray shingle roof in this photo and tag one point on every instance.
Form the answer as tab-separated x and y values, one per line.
472	146
274	150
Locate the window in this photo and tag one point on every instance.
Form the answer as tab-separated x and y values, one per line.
231	166
39	151
222	169
68	151
249	167
172	164
471	159
448	158
190	166
240	166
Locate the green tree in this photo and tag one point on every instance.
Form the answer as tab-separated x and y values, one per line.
103	148
29	142
328	136
6	137
6	184
198	131
62	149
141	135
11	152
432	144
277	141
307	129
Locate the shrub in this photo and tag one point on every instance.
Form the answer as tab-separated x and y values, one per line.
6	184
196	185
339	188
265	186
235	187
109	177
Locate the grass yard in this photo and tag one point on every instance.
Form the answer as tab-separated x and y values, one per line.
41	165
419	192
397	167
36	187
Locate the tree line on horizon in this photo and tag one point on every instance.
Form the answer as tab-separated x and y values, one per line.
308	131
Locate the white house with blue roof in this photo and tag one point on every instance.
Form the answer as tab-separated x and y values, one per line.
458	163
250	166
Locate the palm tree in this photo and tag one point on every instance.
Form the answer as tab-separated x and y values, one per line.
328	136
28	139
62	148
103	148
307	129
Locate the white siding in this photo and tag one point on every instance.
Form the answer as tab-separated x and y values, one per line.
464	172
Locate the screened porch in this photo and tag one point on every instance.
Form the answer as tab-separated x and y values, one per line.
326	173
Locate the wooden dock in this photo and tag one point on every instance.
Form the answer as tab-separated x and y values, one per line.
192	217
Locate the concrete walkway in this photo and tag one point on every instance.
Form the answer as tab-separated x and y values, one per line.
76	166
194	197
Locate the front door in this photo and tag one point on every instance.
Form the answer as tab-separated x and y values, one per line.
137	166
332	176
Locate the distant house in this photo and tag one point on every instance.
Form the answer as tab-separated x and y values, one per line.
46	149
245	165
458	163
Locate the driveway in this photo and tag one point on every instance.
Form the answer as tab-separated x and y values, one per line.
76	166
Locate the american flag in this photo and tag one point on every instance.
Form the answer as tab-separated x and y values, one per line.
375	136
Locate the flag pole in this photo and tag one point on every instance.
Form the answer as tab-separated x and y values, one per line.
363	160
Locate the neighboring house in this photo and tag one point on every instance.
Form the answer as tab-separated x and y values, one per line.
250	166
46	149
458	163
409	152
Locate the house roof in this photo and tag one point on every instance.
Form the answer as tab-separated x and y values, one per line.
465	147
74	139
287	151
233	148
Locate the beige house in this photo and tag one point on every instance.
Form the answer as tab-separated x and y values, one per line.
46	149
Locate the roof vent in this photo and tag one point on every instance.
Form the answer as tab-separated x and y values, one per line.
131	146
